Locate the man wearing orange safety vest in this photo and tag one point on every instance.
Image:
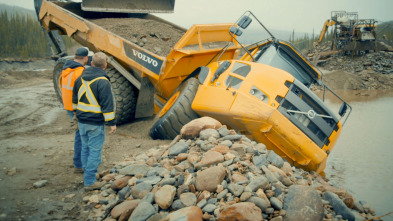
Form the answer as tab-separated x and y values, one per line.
71	71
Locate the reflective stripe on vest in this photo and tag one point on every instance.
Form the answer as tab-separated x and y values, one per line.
109	116
68	86
93	105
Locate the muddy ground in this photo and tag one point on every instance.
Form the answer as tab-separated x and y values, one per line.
36	143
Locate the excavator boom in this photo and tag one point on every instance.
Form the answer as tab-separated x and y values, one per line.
129	6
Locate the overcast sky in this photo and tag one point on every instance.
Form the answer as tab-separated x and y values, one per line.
301	15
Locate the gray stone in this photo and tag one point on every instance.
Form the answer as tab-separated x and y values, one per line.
206	134
303	203
140	190
142	212
227	143
222	194
202	203
245	196
224	184
123	192
224	131
235	189
275	159
257	183
276	203
178	148
259	160
212	201
134	169
269	175
155	217
177	204
259	202
40	183
232	137
151	180
148	198
209	208
168	181
271	211
339	206
188	199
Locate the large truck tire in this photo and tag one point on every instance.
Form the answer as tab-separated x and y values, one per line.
125	95
57	79
176	112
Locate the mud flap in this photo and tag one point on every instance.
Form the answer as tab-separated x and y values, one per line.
145	103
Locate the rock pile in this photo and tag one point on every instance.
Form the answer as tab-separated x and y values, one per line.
217	175
381	61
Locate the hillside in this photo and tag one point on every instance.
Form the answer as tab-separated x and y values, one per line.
385	28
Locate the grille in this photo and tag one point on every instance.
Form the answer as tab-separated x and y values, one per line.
305	110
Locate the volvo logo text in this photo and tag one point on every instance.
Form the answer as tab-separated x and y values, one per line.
145	58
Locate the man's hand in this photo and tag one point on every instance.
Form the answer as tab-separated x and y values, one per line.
113	130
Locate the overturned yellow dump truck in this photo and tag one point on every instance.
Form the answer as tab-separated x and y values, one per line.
260	89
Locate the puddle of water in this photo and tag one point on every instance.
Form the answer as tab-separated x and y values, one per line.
362	160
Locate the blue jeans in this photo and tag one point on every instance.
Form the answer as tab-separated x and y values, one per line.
77	144
93	138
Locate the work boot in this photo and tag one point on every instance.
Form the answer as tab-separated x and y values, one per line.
97	185
78	170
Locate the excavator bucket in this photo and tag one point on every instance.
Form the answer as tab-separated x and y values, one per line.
129	6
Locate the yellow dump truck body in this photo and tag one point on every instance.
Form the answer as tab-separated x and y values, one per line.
261	120
196	48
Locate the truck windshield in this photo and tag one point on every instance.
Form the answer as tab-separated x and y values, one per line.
275	56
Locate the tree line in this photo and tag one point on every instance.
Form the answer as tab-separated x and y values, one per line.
22	37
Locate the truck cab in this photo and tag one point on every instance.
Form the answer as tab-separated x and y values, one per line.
266	95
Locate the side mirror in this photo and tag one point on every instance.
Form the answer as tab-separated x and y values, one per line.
236	31
343	109
244	22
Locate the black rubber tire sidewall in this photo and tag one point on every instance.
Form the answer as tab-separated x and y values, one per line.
56	74
125	96
179	114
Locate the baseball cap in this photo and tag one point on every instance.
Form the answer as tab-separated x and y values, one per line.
82	52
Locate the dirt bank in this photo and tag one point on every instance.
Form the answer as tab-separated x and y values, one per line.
36	144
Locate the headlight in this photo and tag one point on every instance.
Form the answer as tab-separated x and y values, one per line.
259	94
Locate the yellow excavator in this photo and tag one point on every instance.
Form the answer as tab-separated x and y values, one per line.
350	33
261	89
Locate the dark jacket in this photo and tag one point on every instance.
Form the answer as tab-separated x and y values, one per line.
101	89
71	64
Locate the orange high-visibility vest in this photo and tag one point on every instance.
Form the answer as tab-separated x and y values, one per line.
69	76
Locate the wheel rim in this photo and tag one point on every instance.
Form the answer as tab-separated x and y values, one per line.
169	104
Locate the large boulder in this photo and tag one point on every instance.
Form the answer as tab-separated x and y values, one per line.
303	203
194	127
124	209
244	211
164	196
339	206
209	179
193	213
210	158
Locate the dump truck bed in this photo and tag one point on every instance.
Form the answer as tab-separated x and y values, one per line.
168	54
151	34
